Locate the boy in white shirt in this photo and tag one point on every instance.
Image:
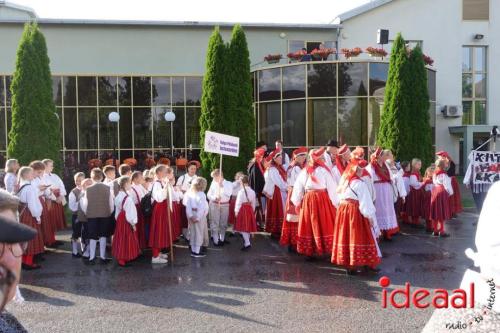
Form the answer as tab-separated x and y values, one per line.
197	211
219	195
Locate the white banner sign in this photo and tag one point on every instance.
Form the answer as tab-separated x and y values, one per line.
222	144
486	166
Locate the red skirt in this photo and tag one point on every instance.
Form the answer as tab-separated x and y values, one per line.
290	226
245	221
232	217
413	205
274	213
57	217
140	228
35	246
316	220
48	231
456	198
159	232
353	243
399	207
125	242
426	205
184	218
440	204
177	219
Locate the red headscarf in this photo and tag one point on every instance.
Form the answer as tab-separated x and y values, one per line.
274	154
381	171
351	173
316	156
297	152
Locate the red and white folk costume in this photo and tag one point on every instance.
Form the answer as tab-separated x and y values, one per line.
232	202
58	200
244	210
413	205
341	162
441	209
137	192
354	242
428	185
456	198
275	189
30	214
314	193
177	196
125	245
48	230
162	218
289	229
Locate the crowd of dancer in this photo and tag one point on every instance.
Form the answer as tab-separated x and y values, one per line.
329	201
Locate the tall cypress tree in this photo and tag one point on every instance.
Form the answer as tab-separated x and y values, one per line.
212	99
35	132
421	131
240	118
396	124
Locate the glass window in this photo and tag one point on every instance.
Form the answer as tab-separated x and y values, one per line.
270	84
480	85
85	157
312	45
87	91
2	92
87	125
467	85
161	128
322	80
193	127
178	91
466	59
179	128
479	59
108	131
467	113
269	122
193	91
353	121
8	96
378	78
56	90
69	90
322	121
431	84
141	90
295	45
353	79
476	9
70	116
161	91
294	82
480	113
294	118
376	104
142	128
8	113
107	90
124	91
126	128
3	130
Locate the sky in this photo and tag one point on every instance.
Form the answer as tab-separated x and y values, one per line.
269	11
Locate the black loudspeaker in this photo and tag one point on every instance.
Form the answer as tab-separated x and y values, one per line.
382	36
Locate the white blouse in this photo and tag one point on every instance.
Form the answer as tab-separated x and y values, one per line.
398	180
414	183
73	201
184	182
241	198
406	183
29	196
128	207
221	193
429	187
196	205
292	175
336	174
236	188
305	183
137	192
357	190
160	194
274	179
10	181
55	182
444	180
36	182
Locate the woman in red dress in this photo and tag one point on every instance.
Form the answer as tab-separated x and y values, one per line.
354	243
441	209
315	197
290	227
275	189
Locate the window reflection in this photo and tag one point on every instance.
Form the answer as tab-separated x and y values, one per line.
322	121
8	97
108	131
142	128
126	128
141	91
376	104
294	82
353	121
178	91
161	87
70	116
56	90
193	91
353	79
2	91
107	90
270	84
69	90
270	122
193	127
3	130
125	91
87	91
294	118
87	121
378	78
322	80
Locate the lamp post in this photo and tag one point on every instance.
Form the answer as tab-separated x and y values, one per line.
170	117
114	117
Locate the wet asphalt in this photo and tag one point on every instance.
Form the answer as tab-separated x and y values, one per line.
264	290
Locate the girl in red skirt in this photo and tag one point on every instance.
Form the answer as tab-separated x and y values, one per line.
48	228
456	198
57	197
125	242
275	189
315	196
30	214
426	198
161	220
415	197
290	224
441	209
354	243
176	204
137	192
244	210
405	169
232	201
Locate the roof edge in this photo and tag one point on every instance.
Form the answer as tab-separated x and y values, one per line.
26	9
361	10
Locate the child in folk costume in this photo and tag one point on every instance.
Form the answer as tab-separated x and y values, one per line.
441	209
354	244
125	242
184	183
76	225
57	197
384	204
137	192
110	176
256	172
399	188
123	170
414	201
290	227
428	185
219	195
232	201
245	212
161	229
275	189
401	204
49	233
148	181
176	204
30	214
97	204
315	195
10	179
455	199
196	212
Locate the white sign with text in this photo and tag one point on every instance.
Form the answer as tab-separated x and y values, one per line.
223	144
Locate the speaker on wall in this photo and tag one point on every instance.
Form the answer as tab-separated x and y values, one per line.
382	36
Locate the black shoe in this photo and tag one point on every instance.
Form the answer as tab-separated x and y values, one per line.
85	257
30	267
197	255
218	244
291	249
203	249
78	255
351	272
310	259
387	239
429	231
443	235
104	261
39	258
246	248
91	262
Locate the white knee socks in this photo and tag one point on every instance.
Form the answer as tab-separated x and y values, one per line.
92	246
195	249
102	247
246	238
74	244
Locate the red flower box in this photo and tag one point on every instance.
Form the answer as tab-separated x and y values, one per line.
354	52
376	52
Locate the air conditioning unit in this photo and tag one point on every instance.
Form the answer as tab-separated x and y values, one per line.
452	111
